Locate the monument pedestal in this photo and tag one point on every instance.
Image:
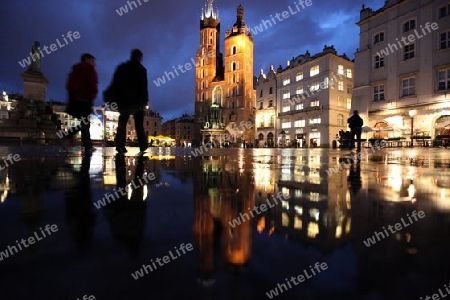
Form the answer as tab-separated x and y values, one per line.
34	85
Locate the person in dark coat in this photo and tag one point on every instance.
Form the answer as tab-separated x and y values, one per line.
131	95
355	123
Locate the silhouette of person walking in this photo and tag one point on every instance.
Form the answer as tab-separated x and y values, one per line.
80	215
127	214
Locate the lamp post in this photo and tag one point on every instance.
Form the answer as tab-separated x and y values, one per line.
412	113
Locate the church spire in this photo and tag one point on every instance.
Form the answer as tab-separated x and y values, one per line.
240	17
209	11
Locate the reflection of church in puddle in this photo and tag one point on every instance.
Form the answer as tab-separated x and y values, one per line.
222	191
317	208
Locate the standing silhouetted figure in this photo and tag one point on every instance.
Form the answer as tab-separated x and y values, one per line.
131	95
355	123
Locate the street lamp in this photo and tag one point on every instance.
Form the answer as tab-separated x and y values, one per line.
412	113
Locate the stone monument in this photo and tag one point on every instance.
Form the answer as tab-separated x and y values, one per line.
34	81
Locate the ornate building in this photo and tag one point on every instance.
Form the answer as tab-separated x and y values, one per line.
266	113
224	92
314	98
402	74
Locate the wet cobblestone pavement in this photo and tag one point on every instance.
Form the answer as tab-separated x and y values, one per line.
322	208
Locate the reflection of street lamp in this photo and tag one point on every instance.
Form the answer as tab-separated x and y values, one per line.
411	191
412	113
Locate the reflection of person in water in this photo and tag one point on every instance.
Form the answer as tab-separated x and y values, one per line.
354	178
127	213
80	217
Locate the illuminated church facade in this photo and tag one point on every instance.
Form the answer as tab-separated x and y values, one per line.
224	88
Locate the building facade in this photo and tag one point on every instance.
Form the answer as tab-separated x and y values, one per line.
266	108
402	75
6	105
152	125
104	122
224	89
314	98
181	129
168	128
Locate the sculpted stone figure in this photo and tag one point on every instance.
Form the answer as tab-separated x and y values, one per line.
35	58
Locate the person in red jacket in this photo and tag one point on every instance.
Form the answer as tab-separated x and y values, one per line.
82	86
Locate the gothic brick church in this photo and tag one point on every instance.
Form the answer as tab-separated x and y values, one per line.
224	90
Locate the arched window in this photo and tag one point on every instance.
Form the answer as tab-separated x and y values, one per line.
233	66
233	50
217	95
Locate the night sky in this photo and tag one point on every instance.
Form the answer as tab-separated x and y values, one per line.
168	34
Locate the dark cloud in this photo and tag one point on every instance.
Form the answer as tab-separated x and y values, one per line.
168	34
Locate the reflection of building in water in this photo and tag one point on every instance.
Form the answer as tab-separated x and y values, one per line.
265	187
222	191
30	178
4	185
393	192
317	207
181	165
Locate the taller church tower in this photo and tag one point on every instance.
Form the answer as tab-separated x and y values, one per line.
225	96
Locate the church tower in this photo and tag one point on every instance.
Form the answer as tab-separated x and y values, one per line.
224	94
209	68
239	76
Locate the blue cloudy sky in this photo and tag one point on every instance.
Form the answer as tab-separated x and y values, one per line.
168	34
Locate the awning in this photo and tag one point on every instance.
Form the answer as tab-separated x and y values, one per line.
367	129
